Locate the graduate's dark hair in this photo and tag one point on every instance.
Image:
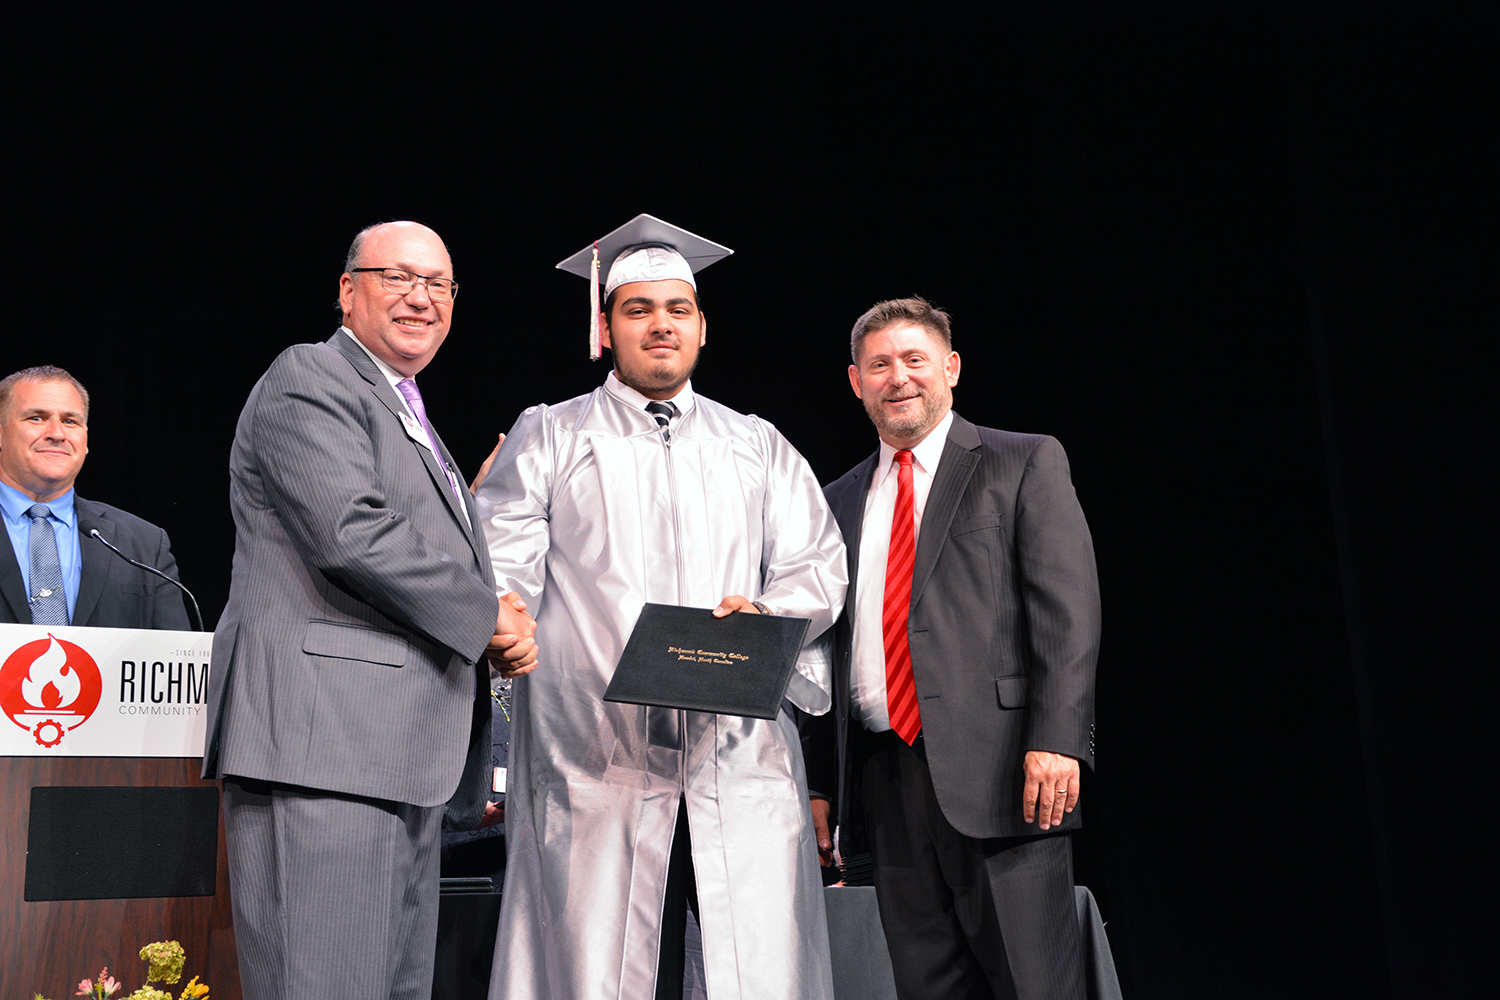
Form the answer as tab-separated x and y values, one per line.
608	306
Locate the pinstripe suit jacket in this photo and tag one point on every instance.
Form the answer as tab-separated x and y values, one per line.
350	655
1004	630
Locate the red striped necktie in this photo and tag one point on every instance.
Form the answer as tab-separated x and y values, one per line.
900	690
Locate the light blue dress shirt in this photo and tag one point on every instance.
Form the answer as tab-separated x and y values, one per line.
13	507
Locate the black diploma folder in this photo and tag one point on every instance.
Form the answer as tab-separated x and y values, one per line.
686	658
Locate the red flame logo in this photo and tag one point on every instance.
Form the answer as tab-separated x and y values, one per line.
48	687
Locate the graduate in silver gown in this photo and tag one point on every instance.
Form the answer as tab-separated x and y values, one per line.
592	508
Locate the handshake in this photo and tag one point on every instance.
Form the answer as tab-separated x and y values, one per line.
512	650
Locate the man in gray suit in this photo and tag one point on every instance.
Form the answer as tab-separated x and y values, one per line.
44	438
349	698
964	678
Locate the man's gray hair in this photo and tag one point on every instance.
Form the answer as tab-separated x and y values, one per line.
892	312
351	259
41	373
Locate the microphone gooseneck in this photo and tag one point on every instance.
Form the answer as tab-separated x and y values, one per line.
192	601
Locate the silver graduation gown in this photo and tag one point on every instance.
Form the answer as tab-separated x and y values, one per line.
589	514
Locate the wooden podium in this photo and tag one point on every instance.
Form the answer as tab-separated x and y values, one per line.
99	691
52	944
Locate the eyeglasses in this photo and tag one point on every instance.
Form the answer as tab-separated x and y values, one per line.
394	279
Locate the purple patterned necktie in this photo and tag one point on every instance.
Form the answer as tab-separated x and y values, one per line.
413	397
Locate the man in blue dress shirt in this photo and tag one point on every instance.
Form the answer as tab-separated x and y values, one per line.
56	572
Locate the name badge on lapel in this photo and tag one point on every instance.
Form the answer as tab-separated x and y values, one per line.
415	432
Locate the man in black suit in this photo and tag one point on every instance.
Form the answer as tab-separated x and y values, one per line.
44	439
964	678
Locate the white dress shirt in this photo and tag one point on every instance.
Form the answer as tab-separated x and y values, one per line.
867	692
683	401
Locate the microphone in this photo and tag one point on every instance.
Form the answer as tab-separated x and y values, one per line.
192	601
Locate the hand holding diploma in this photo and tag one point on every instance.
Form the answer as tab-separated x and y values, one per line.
733	603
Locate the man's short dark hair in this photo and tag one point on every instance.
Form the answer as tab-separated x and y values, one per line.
893	312
41	373
608	305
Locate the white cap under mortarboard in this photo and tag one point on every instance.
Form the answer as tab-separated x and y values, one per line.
644	249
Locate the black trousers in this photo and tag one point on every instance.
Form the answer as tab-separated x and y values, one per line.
682	892
966	918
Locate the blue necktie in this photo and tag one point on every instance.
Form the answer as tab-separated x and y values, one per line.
49	605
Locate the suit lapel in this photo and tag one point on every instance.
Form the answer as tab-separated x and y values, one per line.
12	586
343	344
92	556
848	506
849	511
471	526
960	454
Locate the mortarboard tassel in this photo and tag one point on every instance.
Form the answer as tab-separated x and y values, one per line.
595	349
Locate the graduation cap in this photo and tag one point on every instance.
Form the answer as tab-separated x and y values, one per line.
644	249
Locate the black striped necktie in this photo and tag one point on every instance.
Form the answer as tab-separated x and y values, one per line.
663	412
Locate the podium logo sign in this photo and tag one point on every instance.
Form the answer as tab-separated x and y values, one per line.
70	691
49	687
